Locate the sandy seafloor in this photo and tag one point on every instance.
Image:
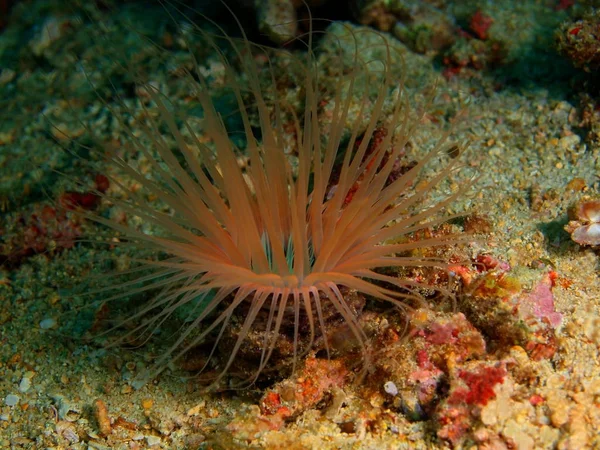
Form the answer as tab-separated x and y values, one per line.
526	147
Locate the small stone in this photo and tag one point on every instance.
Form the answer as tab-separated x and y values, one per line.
277	19
47	324
11	400
152	440
25	384
390	388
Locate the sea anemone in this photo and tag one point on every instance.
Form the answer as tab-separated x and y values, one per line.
284	222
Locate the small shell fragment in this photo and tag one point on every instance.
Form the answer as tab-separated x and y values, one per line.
587	235
588	211
585	228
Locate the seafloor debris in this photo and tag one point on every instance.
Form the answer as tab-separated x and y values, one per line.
589	115
101	414
48	229
506	312
420	25
277	19
580	41
441	370
476	47
420	363
289	398
471	387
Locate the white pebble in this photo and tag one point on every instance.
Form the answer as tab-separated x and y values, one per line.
390	388
11	400
46	324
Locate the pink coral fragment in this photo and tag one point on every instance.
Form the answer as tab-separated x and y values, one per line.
539	303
